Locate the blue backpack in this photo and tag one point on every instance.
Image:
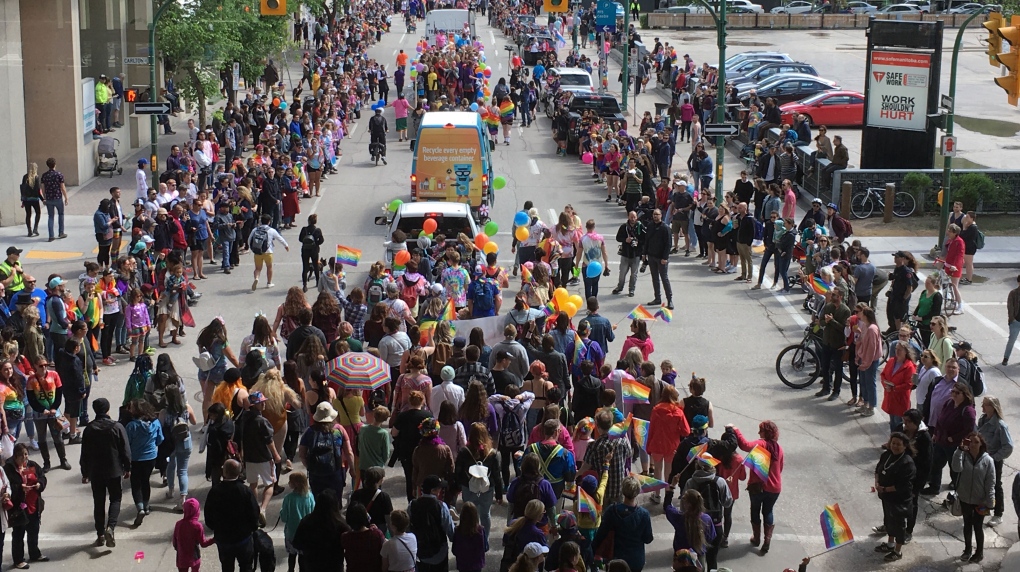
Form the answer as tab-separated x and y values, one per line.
482	295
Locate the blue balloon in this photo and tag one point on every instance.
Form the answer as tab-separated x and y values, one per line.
690	189
593	270
521	218
474	107
283	106
381	103
479	75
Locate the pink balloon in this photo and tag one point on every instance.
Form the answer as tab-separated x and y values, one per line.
587	158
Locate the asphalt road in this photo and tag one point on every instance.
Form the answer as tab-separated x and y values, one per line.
723	331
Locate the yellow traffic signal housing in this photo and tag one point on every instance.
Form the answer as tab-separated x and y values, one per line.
273	7
554	6
995	21
1011	59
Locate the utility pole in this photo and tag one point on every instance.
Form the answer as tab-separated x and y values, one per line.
720	96
153	91
947	163
625	36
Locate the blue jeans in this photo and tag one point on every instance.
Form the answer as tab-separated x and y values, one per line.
57	204
179	463
1014	331
761	506
894	422
484	504
764	263
783	269
867	378
591	285
225	245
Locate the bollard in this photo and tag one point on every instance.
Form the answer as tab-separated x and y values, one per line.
846	190
890	196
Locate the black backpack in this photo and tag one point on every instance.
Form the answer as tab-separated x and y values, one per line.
511	434
527	490
322	455
264	553
712	499
260	240
427	526
586	397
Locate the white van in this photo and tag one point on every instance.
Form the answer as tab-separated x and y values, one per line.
448	21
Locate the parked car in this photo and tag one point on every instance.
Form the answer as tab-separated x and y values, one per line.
742	63
899	8
682	10
859	7
769	69
922	5
971	7
792	87
739	10
830	108
795	7
731	4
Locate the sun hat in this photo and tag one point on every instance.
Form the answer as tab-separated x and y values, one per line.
324	412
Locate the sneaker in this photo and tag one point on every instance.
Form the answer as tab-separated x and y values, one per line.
880	529
930	491
100	541
76	440
1005	361
618	291
109	361
907	538
822	392
33	445
884	547
139	518
169	494
656	498
108	536
978	557
270	285
262	520
994	521
65	465
833	397
893	556
254	284
150	351
870	411
655	302
965	556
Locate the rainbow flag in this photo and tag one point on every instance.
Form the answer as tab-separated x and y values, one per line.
641	432
665	314
506	109
640	312
696	451
549	309
835	528
449	311
649	484
585	503
93	312
818	285
490	119
620	429
347	255
633	390
758	460
526	277
707	458
428	328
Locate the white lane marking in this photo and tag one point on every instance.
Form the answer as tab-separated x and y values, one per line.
790	309
402	36
533	165
395	51
492	36
495	52
986	303
520	131
353	129
499	66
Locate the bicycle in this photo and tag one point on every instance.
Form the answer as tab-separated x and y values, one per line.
863	205
893	338
803	364
945	287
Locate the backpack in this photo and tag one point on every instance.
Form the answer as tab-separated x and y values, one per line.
526	491
712	498
759	229
322	455
976	378
179	428
847	226
264	553
586	397
511	433
979	242
440	357
409	291
259	240
375	292
481	295
427	526
478	481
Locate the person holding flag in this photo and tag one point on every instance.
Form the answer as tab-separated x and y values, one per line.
765	482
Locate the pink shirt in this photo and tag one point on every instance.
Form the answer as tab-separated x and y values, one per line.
400	107
789	204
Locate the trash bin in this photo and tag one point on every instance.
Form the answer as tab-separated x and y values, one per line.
660	108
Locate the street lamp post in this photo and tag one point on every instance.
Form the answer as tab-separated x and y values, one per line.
720	96
625	36
153	92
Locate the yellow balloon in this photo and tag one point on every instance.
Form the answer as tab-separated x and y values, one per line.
490	248
521	233
561	296
577	301
570	308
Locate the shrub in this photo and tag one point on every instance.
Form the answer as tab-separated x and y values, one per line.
974	189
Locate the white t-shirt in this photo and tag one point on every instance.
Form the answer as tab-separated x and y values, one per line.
400	552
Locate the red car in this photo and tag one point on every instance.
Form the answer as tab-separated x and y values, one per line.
830	108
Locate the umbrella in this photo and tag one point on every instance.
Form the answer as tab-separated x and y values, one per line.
360	371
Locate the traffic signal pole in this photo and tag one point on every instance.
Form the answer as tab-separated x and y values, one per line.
947	163
153	92
626	58
720	96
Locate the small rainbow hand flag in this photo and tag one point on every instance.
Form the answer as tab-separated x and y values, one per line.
526	277
818	285
641	432
649	484
634	390
449	311
347	255
835	529
640	312
665	314
708	458
506	109
620	429
585	503
696	451
758	460
549	309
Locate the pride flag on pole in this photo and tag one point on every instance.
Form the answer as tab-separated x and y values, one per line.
665	314
585	503
620	429
695	451
649	484
758	460
641	432
835	529
633	390
347	255
641	312
449	311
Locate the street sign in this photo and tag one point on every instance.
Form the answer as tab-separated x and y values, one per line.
948	146
605	13
946	103
152	107
136	61
607	29
721	129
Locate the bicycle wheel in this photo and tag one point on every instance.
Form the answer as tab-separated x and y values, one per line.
904	204
800	369
948	299
861	206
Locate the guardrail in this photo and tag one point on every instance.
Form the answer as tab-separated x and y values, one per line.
795	21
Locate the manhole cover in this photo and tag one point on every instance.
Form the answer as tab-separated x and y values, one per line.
748	44
819	34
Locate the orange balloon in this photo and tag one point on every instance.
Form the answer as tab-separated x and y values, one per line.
480	240
429	226
276	102
402	258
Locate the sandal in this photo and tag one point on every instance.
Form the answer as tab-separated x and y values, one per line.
162	344
175	341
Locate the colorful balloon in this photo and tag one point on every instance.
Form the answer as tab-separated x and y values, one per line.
561	297
481	240
276	102
490	248
522	233
594	269
474	107
570	309
402	258
520	219
394	205
587	158
498	183
487	72
429	226
491	228
576	300
283	106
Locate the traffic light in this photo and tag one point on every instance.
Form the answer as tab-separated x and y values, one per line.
995	21
273	7
1011	59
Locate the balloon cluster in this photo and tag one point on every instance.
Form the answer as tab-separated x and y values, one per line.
564	301
381	104
488	246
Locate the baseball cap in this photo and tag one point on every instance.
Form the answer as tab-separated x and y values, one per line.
534	550
143	161
256	397
431	483
139	202
566	520
899	254
699	422
963	346
56	281
148	239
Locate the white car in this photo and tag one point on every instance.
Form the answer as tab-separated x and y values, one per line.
746	4
858	7
451	218
922	5
573	79
795	7
900	9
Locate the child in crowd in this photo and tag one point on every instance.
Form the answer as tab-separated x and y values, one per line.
298	504
668	373
587	524
189	538
137	322
469	540
374	446
582	437
400	551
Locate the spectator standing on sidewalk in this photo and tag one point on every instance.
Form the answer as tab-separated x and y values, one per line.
55	194
745	236
1012	320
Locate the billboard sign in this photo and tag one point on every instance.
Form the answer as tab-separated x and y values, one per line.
898	85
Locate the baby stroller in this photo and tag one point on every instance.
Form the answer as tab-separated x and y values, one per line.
108	156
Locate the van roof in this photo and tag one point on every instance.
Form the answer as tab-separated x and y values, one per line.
455	118
422	208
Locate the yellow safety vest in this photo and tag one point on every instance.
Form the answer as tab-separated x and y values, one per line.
18	284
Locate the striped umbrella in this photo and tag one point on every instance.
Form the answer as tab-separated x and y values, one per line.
361	371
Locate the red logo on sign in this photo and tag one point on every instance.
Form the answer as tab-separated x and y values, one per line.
879	76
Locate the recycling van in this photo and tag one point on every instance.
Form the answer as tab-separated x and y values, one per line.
453	161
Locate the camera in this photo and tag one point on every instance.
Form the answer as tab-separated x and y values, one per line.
644	266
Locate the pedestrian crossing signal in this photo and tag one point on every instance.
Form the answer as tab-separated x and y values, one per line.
130	95
273	7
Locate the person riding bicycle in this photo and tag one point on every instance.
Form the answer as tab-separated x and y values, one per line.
378	128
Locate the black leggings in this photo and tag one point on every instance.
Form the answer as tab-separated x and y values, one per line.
29	207
309	265
41	425
506	459
111	323
103	258
972	521
140	488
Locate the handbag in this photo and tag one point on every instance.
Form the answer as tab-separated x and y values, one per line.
955	508
755	488
17	517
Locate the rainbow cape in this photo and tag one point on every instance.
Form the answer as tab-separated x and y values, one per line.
506	109
93	313
490	119
585	503
641	432
640	312
835	529
758	460
665	314
620	429
347	255
649	484
634	390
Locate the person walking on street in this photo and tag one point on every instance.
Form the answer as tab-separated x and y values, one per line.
592	249
105	460
1012	319
763	493
834	317
232	513
630	236
260	242
656	255
55	195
